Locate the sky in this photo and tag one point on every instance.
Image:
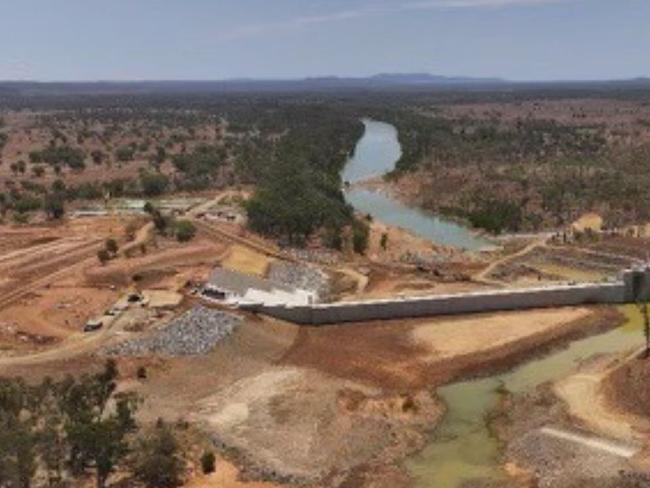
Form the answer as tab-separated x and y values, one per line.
74	40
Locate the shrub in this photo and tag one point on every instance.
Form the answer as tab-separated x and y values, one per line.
27	203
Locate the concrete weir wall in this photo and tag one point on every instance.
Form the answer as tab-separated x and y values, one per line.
633	285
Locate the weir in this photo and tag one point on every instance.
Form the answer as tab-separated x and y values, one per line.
633	285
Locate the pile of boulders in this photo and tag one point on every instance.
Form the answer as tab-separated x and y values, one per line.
299	276
197	331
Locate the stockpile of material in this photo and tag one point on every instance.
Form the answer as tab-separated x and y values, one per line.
195	332
299	276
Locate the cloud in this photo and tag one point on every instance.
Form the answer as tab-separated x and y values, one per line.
262	29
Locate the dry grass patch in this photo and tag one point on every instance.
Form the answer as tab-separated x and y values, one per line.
477	333
246	261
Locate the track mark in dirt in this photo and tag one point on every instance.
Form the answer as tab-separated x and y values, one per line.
599	444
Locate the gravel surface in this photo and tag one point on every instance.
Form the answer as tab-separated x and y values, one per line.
299	276
314	256
558	463
195	332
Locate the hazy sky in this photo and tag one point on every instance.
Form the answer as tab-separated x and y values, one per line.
215	39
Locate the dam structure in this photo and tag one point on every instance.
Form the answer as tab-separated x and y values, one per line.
633	285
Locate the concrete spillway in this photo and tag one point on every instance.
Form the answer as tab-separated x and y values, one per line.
633	285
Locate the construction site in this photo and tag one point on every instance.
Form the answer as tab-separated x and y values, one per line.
324	300
350	404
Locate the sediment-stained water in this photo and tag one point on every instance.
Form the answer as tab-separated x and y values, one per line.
462	447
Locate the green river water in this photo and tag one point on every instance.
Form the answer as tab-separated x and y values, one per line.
462	447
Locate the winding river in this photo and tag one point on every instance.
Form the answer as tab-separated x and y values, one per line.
462	447
376	154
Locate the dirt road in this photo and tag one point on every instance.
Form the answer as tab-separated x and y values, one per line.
484	275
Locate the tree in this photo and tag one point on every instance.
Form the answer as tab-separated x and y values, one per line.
125	153
184	230
643	308
111	246
54	205
383	242
58	186
160	222
360	232
207	462
103	256
153	183
97	157
17	453
98	434
71	425
158	463
18	436
38	171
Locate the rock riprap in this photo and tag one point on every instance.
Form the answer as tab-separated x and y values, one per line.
197	331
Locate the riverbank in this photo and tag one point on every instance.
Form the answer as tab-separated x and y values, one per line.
398	191
555	430
375	155
343	406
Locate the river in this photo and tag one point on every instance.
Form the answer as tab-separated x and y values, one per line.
462	447
376	154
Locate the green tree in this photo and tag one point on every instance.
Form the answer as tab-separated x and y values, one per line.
111	246
125	153
207	462
153	183
383	242
643	309
98	434
17	435
360	233
158	462
38	171
103	256
54	205
184	230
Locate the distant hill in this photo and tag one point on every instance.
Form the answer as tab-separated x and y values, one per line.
429	79
379	82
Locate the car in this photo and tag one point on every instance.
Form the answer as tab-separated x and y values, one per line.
93	325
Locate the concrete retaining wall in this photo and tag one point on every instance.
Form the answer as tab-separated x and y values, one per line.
634	285
446	304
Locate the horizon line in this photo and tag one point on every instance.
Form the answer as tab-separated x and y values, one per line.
486	79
